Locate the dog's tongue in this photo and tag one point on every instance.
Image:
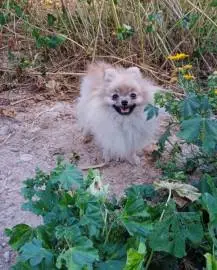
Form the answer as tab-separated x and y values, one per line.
124	110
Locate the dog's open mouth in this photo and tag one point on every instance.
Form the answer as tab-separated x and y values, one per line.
124	110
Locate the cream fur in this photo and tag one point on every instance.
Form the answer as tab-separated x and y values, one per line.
119	136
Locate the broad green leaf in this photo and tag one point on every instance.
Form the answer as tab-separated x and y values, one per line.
210	203
213	3
111	265
150	28
135	260
19	235
134	217
204	105
136	257
35	253
151	111
211	262
78	258
200	129
170	235
54	41
3	18
135	207
190	129
18	10
209	134
190	106
138	228
21	266
92	218
69	178
145	191
72	235
51	19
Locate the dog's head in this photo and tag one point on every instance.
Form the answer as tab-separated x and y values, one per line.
125	89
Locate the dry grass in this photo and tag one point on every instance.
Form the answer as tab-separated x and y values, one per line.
161	27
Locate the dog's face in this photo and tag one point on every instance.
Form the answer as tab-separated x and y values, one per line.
123	90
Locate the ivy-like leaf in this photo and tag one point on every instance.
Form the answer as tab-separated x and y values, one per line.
151	111
69	178
19	235
35	253
170	235
78	258
124	32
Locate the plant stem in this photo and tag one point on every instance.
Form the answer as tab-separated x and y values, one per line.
161	217
117	23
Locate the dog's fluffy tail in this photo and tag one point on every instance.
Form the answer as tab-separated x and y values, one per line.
97	69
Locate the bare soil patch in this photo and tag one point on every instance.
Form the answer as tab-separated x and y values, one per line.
33	135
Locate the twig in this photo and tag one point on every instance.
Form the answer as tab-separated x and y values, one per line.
20	101
92	166
33	123
97	35
6	139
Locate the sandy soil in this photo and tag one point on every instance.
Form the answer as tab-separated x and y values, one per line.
33	137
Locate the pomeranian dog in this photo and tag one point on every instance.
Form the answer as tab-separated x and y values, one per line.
111	109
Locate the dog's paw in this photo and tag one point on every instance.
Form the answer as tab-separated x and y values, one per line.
87	138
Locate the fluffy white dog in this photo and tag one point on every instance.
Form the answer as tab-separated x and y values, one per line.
111	108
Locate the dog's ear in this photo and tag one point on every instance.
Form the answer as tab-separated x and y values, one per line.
135	71
109	74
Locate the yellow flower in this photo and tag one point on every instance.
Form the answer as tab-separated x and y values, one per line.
48	3
186	67
189	77
178	56
215	91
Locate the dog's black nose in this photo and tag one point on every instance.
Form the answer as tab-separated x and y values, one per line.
124	102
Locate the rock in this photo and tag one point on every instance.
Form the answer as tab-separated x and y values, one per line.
26	157
7	256
3	244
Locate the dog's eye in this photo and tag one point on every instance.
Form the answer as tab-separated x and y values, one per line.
115	96
133	95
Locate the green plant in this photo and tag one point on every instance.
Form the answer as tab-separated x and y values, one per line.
83	228
194	122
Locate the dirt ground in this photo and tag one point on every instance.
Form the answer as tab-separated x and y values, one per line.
33	134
